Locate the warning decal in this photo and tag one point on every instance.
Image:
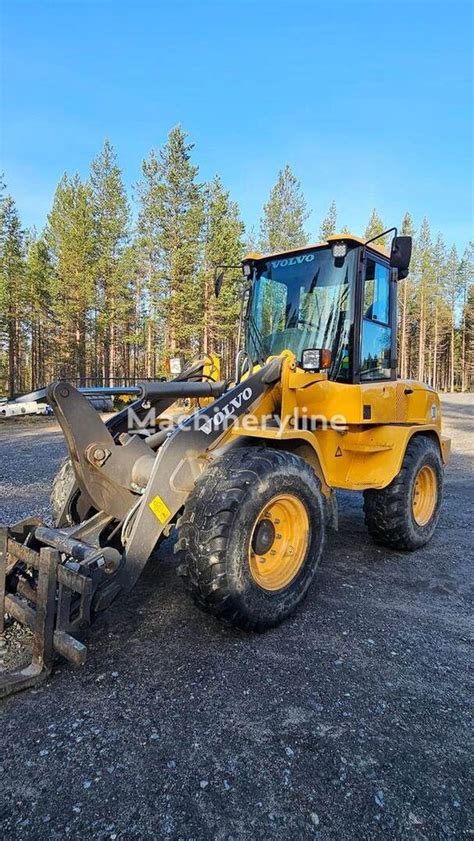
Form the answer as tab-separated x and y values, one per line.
160	509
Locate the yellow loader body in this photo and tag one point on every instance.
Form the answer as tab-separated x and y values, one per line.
359	433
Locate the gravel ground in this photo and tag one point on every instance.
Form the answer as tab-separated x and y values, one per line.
349	721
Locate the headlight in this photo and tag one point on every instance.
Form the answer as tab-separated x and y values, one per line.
316	359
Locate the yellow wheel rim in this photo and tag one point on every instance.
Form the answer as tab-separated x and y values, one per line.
425	495
278	542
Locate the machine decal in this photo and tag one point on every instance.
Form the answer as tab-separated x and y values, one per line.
160	509
227	411
292	261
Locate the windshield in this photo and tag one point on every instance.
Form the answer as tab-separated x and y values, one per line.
303	301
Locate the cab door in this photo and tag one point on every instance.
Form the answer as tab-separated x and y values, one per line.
377	354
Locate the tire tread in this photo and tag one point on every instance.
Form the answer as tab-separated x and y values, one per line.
206	522
386	511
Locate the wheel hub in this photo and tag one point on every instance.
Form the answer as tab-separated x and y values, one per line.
425	495
263	537
279	542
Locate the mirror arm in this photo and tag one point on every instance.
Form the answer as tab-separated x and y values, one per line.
383	234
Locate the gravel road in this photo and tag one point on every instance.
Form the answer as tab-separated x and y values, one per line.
349	721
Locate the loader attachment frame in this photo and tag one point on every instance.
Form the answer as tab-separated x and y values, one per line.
57	580
45	607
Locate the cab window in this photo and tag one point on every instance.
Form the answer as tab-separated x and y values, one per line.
376	292
376	362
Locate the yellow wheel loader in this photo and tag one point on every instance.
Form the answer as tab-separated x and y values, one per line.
247	474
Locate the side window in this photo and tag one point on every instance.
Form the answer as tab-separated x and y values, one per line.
376	292
376	361
273	301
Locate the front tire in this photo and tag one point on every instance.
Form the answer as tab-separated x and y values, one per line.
405	514
251	536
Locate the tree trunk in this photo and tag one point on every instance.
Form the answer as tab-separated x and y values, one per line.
421	342
112	354
11	354
435	352
463	343
206	315
403	334
149	348
451	385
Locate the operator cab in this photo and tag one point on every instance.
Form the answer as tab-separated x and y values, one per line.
334	305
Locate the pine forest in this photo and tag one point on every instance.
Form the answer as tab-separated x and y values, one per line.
115	284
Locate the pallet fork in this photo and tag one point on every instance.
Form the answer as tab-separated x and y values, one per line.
53	589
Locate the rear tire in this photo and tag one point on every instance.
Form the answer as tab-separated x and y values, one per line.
404	515
245	573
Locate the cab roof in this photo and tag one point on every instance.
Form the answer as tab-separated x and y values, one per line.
333	238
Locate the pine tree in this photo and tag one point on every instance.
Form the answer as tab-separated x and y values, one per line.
12	290
223	231
375	227
251	245
424	276
40	285
468	332
328	225
111	221
129	314
149	256
170	224
407	229
71	240
453	289
284	215
436	300
466	272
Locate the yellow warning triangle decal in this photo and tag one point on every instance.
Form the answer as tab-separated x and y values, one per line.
338	453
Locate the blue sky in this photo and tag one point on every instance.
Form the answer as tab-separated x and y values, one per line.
369	102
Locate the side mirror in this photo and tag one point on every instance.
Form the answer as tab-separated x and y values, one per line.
218	280
400	255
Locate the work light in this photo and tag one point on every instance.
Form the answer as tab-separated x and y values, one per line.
316	359
339	249
175	365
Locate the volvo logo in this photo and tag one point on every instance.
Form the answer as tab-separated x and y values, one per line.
292	261
227	411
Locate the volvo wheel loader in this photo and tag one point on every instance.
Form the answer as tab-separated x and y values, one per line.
247	475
